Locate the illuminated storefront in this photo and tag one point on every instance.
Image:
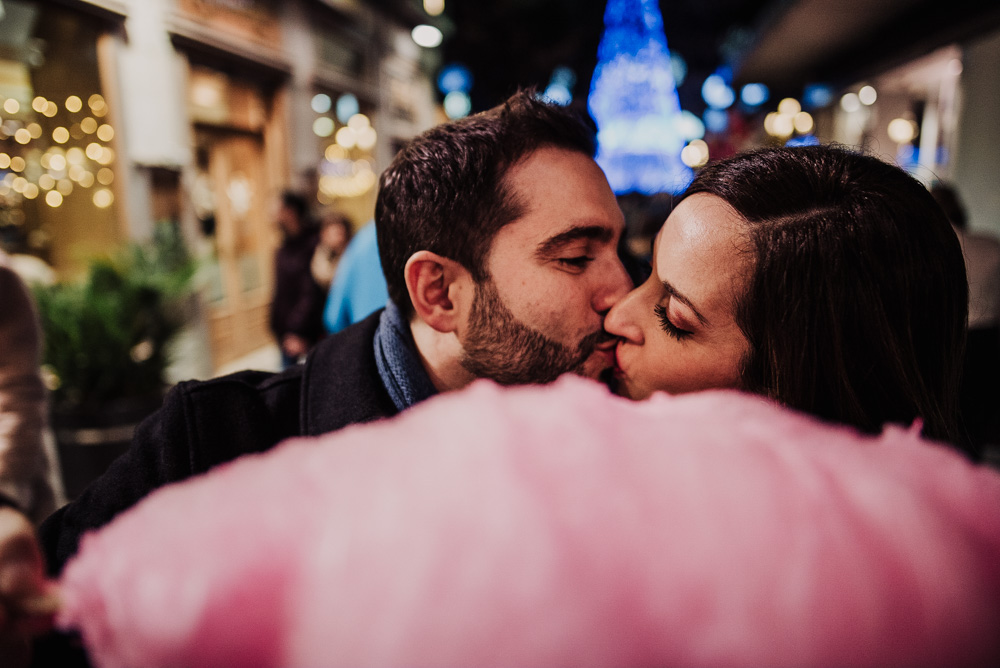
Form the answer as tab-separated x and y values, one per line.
57	136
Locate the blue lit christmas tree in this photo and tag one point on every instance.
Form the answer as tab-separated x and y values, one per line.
634	101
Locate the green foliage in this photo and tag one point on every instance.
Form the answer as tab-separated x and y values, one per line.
106	336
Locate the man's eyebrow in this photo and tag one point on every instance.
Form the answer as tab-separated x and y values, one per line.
674	294
588	232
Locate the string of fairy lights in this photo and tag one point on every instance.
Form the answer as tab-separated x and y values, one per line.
51	150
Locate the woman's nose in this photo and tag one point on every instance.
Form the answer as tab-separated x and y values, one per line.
621	320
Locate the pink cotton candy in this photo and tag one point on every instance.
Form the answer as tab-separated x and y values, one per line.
558	526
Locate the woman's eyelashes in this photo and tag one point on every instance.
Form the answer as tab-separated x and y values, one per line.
670	328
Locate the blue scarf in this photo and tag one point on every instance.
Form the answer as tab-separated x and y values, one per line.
398	363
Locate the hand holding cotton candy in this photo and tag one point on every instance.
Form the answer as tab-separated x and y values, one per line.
557	525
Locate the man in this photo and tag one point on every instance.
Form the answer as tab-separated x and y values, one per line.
497	236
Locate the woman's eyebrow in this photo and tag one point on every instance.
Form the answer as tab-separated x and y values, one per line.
675	294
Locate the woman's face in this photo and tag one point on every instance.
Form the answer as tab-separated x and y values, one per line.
678	332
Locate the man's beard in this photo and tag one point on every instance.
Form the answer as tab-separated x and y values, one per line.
502	348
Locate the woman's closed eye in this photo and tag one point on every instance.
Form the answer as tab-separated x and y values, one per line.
670	328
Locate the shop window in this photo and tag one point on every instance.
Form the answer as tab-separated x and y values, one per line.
56	136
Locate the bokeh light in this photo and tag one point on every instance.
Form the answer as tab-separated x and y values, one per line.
689	126
22	136
346	138
755	94
323	126
321	103
803	122
366	138
789	106
105	176
695	154
901	130
434	7
358	122
53	198
850	103
60	135
867	95
74	104
103	198
347	106
39	104
57	163
457	105
11	106
427	36
17	164
88	125
716	120
454	77
717	93
105	132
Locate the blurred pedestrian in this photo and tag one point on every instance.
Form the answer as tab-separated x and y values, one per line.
27	464
334	235
359	287
980	393
297	306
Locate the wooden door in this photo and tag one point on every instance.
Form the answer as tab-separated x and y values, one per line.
245	240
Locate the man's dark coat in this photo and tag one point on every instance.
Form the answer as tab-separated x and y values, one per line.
202	424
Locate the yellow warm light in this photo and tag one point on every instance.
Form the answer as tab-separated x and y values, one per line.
901	130
105	176
803	122
51	109
74	104
345	137
94	150
105	132
789	106
11	106
323	126
39	104
35	130
434	7
65	187
22	136
95	101
867	95
53	198
367	138
358	122
88	125
784	126
335	152
30	191
46	182
57	163
107	156
86	179
75	156
4	161
60	135
695	154
103	198
769	123
17	164
18	184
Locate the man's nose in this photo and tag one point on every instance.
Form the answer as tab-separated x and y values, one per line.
616	284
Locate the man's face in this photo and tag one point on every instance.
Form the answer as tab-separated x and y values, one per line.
554	273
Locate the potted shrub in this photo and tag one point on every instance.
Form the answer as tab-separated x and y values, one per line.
105	351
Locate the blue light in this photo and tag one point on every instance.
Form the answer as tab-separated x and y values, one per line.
633	99
557	93
804	140
816	96
453	78
678	67
755	94
690	126
564	76
717	93
347	106
716	120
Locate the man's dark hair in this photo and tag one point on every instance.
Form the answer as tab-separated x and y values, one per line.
856	306
446	192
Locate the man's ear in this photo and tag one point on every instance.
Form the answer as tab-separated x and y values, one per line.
439	288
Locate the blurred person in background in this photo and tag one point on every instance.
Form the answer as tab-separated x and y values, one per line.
358	288
980	393
296	317
334	235
29	487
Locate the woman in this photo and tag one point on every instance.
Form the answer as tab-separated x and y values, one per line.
827	280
